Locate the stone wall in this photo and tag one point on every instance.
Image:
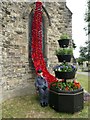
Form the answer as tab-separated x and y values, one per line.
18	73
61	19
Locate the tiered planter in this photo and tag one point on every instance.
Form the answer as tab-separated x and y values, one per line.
69	102
62	58
64	43
65	99
65	75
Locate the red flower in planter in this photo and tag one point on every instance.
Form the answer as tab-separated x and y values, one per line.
67	88
77	84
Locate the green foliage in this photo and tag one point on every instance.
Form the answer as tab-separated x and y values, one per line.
80	61
64	51
64	36
84	52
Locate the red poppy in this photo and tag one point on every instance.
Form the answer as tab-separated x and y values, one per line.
36	45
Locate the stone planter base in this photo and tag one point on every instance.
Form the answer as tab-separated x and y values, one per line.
66	102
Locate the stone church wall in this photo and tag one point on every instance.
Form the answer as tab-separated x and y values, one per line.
61	19
17	70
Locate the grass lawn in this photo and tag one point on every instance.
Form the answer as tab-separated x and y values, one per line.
84	80
28	107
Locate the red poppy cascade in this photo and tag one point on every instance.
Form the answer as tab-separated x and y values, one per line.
36	46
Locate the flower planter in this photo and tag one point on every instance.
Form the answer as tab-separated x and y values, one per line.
64	95
68	102
65	87
64	43
66	58
65	75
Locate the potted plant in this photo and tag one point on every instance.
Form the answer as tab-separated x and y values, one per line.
61	86
66	97
64	40
65	71
64	54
